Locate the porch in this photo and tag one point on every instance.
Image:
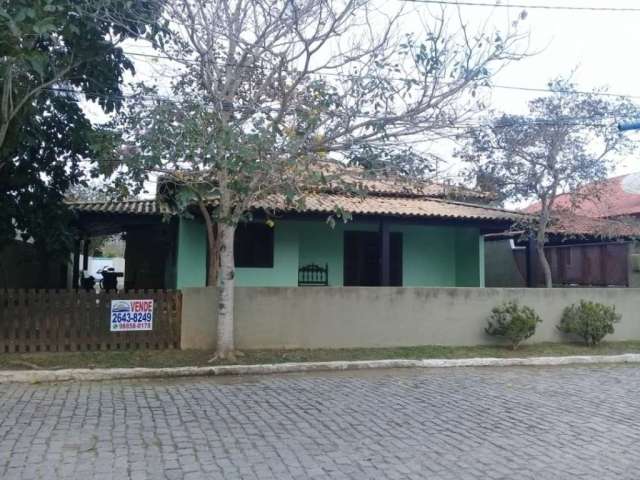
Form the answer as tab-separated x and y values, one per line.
149	234
408	242
365	252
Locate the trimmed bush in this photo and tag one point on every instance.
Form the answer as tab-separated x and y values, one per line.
513	322
591	321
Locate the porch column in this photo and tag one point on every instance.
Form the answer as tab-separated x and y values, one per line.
85	253
76	263
529	259
385	254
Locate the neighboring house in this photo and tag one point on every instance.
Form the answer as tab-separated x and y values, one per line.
612	198
591	243
581	252
400	235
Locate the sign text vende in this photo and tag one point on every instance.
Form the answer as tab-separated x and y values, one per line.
131	315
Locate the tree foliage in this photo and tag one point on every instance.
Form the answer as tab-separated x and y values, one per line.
566	141
52	54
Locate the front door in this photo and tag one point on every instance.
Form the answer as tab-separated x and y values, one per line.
362	257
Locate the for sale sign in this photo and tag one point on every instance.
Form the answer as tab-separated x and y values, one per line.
131	315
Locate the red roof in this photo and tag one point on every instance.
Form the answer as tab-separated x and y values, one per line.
571	225
614	197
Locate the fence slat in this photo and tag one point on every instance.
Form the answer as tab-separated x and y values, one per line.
71	320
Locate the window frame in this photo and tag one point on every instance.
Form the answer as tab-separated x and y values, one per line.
247	252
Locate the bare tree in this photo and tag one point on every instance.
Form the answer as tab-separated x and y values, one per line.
566	142
270	90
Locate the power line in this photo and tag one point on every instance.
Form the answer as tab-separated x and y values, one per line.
594	121
531	7
373	77
578	92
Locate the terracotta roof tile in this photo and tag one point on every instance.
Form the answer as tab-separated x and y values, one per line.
569	225
613	197
136	207
406	187
327	203
340	178
579	225
397	206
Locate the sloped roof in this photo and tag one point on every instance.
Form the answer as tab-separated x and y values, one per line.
345	179
570	224
402	186
135	207
396	206
327	203
614	197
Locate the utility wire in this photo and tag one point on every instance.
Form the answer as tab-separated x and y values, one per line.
594	121
589	121
531	7
578	92
373	77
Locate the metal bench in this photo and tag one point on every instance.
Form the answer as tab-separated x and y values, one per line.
313	275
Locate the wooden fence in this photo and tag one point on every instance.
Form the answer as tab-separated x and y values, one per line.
71	321
593	265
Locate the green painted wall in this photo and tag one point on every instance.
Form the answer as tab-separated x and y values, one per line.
433	256
469	258
285	261
321	244
429	256
191	262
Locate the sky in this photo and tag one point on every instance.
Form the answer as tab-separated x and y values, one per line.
595	48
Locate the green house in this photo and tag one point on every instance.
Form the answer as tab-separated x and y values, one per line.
397	237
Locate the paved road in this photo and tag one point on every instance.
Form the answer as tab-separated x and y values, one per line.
519	423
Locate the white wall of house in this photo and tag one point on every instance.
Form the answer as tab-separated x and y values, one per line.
98	263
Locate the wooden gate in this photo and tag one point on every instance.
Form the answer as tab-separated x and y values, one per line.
72	321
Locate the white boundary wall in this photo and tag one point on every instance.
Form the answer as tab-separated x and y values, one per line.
321	317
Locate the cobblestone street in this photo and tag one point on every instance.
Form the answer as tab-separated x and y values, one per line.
518	423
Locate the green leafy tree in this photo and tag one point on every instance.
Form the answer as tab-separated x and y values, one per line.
52	54
566	141
268	93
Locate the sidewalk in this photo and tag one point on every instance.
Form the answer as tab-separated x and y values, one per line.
86	374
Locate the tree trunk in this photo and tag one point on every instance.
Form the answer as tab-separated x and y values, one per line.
5	107
214	256
4	128
225	342
213	242
544	263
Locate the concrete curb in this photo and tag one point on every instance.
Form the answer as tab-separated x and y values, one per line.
85	374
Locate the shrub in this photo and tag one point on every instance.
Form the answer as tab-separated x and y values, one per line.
513	322
590	320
